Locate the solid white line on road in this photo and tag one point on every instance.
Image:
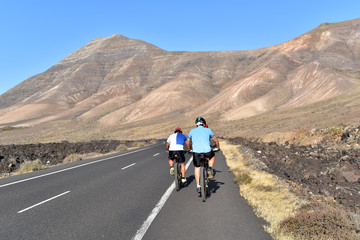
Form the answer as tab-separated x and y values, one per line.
128	166
67	169
141	232
156	154
43	202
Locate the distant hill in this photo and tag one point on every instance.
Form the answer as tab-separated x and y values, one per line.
114	81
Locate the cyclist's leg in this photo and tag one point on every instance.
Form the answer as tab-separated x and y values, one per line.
210	172
171	162
197	164
183	178
197	174
212	159
182	163
211	165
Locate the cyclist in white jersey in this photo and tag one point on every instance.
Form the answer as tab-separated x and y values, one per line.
175	144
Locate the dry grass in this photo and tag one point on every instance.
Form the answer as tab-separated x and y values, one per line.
78	157
270	197
138	145
121	147
73	158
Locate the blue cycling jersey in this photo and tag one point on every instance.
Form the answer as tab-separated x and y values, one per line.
200	138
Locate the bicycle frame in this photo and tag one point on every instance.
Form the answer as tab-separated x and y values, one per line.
204	161
204	179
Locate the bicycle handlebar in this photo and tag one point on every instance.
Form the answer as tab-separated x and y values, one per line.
213	149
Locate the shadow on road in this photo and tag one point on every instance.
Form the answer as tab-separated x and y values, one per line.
214	185
189	179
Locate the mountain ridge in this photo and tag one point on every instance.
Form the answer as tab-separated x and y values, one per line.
118	80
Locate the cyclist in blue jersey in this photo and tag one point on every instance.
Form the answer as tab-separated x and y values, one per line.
200	143
175	144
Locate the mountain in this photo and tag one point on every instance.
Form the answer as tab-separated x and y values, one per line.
115	82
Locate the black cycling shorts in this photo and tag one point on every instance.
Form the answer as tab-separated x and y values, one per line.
197	159
180	153
212	154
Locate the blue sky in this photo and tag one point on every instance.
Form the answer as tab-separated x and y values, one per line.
37	34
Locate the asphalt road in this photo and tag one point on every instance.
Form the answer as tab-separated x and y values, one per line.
123	196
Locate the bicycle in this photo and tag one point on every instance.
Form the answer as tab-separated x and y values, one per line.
177	171
204	177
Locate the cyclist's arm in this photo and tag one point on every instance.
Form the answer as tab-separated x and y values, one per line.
216	141
188	144
167	146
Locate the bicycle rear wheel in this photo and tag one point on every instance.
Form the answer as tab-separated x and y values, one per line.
177	175
203	184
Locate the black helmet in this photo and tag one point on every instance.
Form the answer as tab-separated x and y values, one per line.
200	121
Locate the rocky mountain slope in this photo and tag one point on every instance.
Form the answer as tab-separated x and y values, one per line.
116	80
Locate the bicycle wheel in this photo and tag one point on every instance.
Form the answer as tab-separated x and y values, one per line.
203	184
176	175
207	182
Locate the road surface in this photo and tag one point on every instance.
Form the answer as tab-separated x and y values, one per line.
126	195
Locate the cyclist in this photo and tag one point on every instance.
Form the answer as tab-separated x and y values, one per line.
200	142
175	144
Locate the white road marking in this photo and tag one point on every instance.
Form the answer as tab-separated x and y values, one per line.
128	166
67	169
43	202
156	154
141	232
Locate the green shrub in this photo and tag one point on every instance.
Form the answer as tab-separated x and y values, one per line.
333	132
242	178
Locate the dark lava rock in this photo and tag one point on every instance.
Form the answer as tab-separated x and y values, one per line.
11	156
331	171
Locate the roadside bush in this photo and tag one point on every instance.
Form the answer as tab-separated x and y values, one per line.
319	221
333	132
153	141
138	144
31	166
243	178
73	158
121	147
